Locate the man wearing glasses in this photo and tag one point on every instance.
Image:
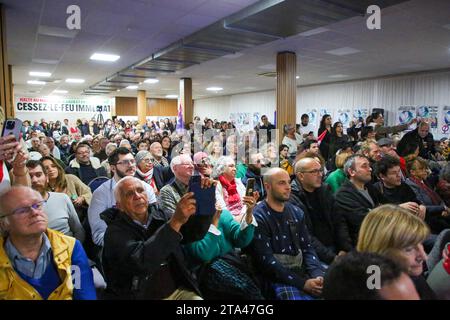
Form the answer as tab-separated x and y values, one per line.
122	164
317	202
84	166
37	263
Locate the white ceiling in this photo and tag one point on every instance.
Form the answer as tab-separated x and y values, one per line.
414	36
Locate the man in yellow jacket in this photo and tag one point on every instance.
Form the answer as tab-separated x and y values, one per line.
37	263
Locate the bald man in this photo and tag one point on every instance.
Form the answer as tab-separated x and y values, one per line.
37	262
317	202
282	236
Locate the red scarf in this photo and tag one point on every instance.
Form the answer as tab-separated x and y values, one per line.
233	195
1	171
435	198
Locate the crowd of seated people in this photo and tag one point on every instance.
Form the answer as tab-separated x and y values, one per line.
299	221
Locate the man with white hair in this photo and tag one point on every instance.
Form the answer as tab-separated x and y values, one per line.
37	263
157	153
142	255
122	164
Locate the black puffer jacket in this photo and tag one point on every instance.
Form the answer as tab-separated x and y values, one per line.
326	227
133	255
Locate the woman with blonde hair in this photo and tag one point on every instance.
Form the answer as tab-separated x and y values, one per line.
396	233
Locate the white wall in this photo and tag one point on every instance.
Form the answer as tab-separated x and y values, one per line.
388	93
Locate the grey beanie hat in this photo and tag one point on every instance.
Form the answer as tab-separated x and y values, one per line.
141	155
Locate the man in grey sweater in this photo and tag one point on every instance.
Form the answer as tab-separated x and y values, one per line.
61	213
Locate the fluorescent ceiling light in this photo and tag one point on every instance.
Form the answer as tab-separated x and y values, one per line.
338	76
132	87
343	51
118	90
171	96
39	74
151	80
233	55
297	77
313	32
214	89
268	67
71	80
60	91
36	82
104	57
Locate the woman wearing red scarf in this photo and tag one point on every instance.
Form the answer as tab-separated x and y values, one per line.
438	214
230	190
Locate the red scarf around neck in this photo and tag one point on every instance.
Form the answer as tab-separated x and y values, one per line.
230	186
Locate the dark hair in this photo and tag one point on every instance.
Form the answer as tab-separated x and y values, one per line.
415	163
282	146
407	149
333	129
31	164
365	132
142	141
114	156
307	143
376	114
346	278
82	145
386	163
304	116
322	122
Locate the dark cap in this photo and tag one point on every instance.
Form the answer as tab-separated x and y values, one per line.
385	142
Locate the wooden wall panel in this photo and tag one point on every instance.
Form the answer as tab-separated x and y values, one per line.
5	76
126	106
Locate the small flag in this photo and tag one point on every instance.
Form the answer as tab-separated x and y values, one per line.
180	123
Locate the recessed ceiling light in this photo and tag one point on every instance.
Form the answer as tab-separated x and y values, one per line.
297	77
60	91
132	87
343	51
104	57
72	80
118	90
36	82
171	96
214	89
151	80
39	74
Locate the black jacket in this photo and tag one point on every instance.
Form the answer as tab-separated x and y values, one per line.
413	137
133	254
353	207
326	227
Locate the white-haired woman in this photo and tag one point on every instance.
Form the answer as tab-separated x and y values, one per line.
110	147
230	190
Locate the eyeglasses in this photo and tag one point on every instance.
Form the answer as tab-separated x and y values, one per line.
147	160
127	162
25	210
315	171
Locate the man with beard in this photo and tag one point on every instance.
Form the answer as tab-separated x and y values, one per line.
371	151
122	164
282	233
61	213
254	171
157	153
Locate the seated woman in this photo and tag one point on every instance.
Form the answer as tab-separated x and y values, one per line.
147	172
59	181
45	152
222	274
393	231
437	212
284	160
202	164
230	190
336	178
110	147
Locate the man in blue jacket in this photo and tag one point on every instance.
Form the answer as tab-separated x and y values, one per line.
281	245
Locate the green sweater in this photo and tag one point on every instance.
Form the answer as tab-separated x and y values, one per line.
241	169
212	246
336	179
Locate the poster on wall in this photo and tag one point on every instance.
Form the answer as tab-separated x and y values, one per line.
445	124
430	115
360	113
233	118
313	118
405	114
255	119
344	116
